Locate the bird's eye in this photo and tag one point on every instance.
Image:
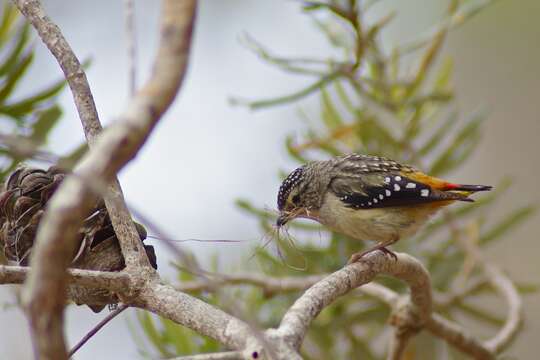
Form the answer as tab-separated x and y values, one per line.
296	199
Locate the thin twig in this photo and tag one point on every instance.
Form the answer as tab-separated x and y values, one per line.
258	104
498	280
131	45
228	355
458	337
514	315
96	328
114	281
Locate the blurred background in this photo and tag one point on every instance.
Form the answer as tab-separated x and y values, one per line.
206	153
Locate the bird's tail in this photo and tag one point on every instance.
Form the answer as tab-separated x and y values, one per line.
468	188
461	192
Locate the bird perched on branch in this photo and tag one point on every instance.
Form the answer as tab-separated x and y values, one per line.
367	198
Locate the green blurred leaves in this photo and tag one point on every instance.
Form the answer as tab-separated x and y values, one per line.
28	119
170	339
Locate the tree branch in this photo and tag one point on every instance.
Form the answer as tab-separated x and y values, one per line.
46	286
131	44
193	313
96	328
227	355
458	337
298	318
514	317
114	281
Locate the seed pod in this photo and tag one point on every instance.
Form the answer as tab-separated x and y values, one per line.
23	201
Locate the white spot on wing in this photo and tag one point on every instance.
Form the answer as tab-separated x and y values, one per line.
397	187
411	185
375	201
388	192
424	192
381	196
387	180
397	178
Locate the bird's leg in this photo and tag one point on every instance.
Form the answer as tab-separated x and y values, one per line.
380	246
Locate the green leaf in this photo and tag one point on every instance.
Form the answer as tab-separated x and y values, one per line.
481	314
460	148
291	149
376	28
329	113
14	76
13	57
345	99
9	15
527	288
153	334
45	122
178	337
512	220
259	104
30	103
438	135
376	137
444	75
69	161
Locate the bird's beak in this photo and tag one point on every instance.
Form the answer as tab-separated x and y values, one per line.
282	219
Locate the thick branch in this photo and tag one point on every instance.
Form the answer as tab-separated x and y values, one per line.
46	286
195	314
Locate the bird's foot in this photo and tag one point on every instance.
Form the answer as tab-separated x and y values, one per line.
357	256
389	253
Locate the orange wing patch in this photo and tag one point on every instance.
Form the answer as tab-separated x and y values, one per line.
431	181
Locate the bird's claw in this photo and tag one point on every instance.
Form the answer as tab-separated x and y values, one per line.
357	256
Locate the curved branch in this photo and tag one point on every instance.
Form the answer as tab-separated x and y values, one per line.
298	318
451	332
455	335
513	320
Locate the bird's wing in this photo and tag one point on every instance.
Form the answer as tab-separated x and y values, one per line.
379	189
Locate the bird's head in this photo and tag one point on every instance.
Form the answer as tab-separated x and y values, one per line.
301	193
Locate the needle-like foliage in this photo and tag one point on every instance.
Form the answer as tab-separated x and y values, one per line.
398	104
